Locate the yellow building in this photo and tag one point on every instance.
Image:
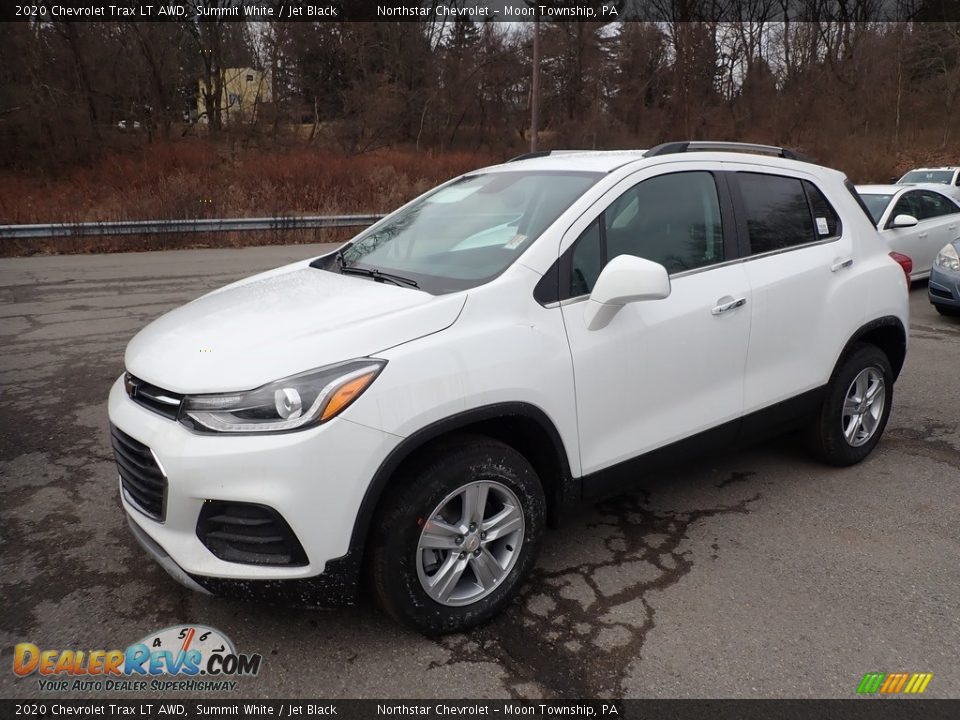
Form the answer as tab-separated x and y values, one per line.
242	93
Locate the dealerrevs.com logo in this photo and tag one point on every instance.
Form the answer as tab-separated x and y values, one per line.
180	657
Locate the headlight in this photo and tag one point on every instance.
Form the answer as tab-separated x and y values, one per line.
948	259
293	403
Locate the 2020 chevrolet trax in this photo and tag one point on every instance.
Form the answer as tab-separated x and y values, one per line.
415	407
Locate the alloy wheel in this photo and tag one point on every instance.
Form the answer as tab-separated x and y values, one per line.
470	543
863	406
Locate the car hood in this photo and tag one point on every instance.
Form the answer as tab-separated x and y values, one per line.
280	323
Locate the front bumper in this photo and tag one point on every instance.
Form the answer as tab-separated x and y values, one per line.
944	288
335	587
315	480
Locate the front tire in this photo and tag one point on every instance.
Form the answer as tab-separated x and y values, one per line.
457	535
947	311
854	412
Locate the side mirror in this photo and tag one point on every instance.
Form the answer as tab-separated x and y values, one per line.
904	221
625	279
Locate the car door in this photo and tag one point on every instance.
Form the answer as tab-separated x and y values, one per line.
938	227
661	370
906	240
797	256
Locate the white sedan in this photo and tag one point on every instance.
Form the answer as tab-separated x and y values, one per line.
915	220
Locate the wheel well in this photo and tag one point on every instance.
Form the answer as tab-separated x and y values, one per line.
526	429
888	335
525	435
528	437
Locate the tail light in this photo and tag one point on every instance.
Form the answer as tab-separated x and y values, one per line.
905	262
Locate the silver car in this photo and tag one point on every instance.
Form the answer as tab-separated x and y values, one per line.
944	287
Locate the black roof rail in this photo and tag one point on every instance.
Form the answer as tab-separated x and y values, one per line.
708	145
530	155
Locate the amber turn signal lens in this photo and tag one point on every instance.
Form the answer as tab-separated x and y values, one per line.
346	394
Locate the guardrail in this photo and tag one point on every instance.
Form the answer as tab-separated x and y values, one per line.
154	227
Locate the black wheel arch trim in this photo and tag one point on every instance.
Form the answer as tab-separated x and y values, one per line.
887	321
567	489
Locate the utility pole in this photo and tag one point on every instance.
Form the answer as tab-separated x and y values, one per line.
535	86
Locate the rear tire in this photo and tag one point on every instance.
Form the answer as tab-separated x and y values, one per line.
457	535
855	410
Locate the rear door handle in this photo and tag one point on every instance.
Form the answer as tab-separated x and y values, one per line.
922	236
729	305
840	264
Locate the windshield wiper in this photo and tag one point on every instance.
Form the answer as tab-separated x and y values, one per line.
377	275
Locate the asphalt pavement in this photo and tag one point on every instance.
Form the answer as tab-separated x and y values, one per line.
756	574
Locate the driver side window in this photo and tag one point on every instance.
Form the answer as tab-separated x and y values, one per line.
670	219
907	205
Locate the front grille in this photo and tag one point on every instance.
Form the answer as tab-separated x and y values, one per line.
142	480
941	293
248	533
163	402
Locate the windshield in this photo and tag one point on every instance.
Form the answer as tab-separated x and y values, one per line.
941	177
468	232
876	204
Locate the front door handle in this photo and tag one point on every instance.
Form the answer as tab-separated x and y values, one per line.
922	236
840	264
729	305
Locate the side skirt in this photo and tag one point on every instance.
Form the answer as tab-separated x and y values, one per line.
763	424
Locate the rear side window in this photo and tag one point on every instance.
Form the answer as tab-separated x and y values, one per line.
934	205
777	212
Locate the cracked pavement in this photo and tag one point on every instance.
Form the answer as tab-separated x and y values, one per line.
757	573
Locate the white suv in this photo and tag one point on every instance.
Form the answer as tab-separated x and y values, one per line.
943	176
421	403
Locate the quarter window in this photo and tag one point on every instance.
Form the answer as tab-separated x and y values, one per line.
825	219
586	261
777	212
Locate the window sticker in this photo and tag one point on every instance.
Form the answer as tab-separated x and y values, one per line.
515	242
822	226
